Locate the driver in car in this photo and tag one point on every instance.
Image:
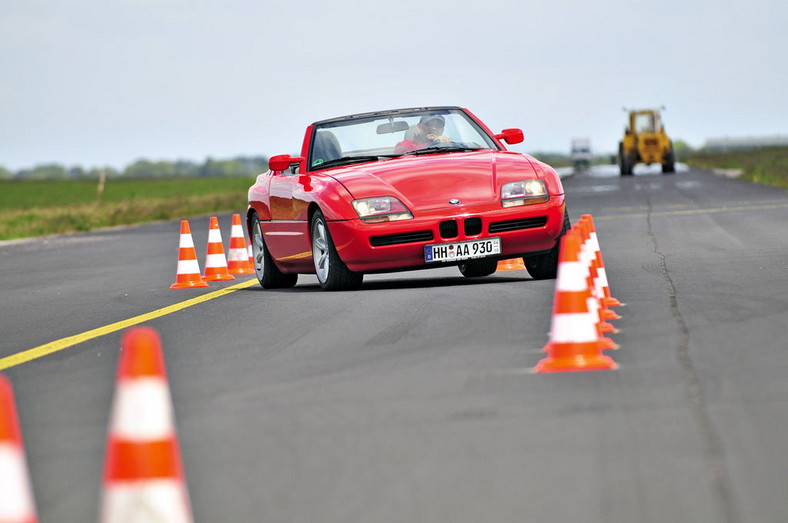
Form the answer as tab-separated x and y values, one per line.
429	130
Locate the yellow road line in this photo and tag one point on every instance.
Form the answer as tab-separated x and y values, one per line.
64	343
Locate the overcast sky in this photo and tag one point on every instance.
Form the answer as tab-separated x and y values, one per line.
107	82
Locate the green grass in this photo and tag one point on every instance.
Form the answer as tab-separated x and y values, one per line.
768	165
39	208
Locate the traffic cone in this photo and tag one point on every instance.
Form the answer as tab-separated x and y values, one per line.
574	343
143	474
238	256
588	254
607	299
16	496
513	264
215	262
188	274
597	308
251	255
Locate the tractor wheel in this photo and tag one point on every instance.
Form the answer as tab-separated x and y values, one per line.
625	161
669	161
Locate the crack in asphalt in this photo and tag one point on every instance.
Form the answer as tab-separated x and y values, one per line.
713	449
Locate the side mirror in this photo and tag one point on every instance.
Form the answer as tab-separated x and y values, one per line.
282	162
510	136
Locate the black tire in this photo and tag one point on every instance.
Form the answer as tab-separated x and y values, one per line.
332	273
669	162
545	266
478	268
625	161
268	274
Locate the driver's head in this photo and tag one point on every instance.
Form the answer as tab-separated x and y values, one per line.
432	124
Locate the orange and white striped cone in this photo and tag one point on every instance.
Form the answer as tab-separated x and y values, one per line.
251	255
16	496
607	299
188	273
574	343
588	255
237	256
143	473
594	305
215	261
513	264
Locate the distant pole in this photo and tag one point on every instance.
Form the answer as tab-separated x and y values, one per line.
100	188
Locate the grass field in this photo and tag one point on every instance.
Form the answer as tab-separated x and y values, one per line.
38	208
768	165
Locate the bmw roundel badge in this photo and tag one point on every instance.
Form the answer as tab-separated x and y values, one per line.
454	201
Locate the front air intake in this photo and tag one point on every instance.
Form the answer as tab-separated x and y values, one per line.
396	239
448	229
516	225
473	226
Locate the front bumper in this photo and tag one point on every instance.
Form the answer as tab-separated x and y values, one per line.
400	245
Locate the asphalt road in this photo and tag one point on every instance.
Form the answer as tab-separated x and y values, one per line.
413	399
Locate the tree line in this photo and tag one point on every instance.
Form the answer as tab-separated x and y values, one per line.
143	168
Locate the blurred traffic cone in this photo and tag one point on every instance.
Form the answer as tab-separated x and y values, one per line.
16	496
574	337
237	256
188	274
143	474
514	264
251	255
607	299
598	311
215	262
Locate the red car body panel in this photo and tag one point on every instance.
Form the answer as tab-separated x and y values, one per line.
284	202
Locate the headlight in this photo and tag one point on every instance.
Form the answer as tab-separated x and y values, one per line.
524	192
381	209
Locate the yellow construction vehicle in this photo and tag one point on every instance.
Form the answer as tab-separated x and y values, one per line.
645	141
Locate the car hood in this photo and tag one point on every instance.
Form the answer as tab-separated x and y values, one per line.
429	182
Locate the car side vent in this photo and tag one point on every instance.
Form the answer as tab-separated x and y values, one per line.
448	229
396	239
515	225
473	226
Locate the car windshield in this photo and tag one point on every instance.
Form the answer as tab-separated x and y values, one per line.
373	138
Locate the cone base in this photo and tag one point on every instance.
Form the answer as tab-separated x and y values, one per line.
514	264
219	277
188	284
577	363
607	344
613	302
606	327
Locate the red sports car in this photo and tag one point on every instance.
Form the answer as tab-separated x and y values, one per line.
401	190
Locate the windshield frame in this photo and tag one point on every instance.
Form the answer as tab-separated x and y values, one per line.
457	114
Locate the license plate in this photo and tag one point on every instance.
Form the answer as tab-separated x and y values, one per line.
445	252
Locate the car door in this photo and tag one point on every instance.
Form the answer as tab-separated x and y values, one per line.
287	235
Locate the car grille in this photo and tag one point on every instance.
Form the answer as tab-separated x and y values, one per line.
650	142
448	229
473	226
395	239
514	225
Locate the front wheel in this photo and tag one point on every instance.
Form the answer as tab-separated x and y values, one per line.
625	161
268	274
545	266
331	271
669	161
